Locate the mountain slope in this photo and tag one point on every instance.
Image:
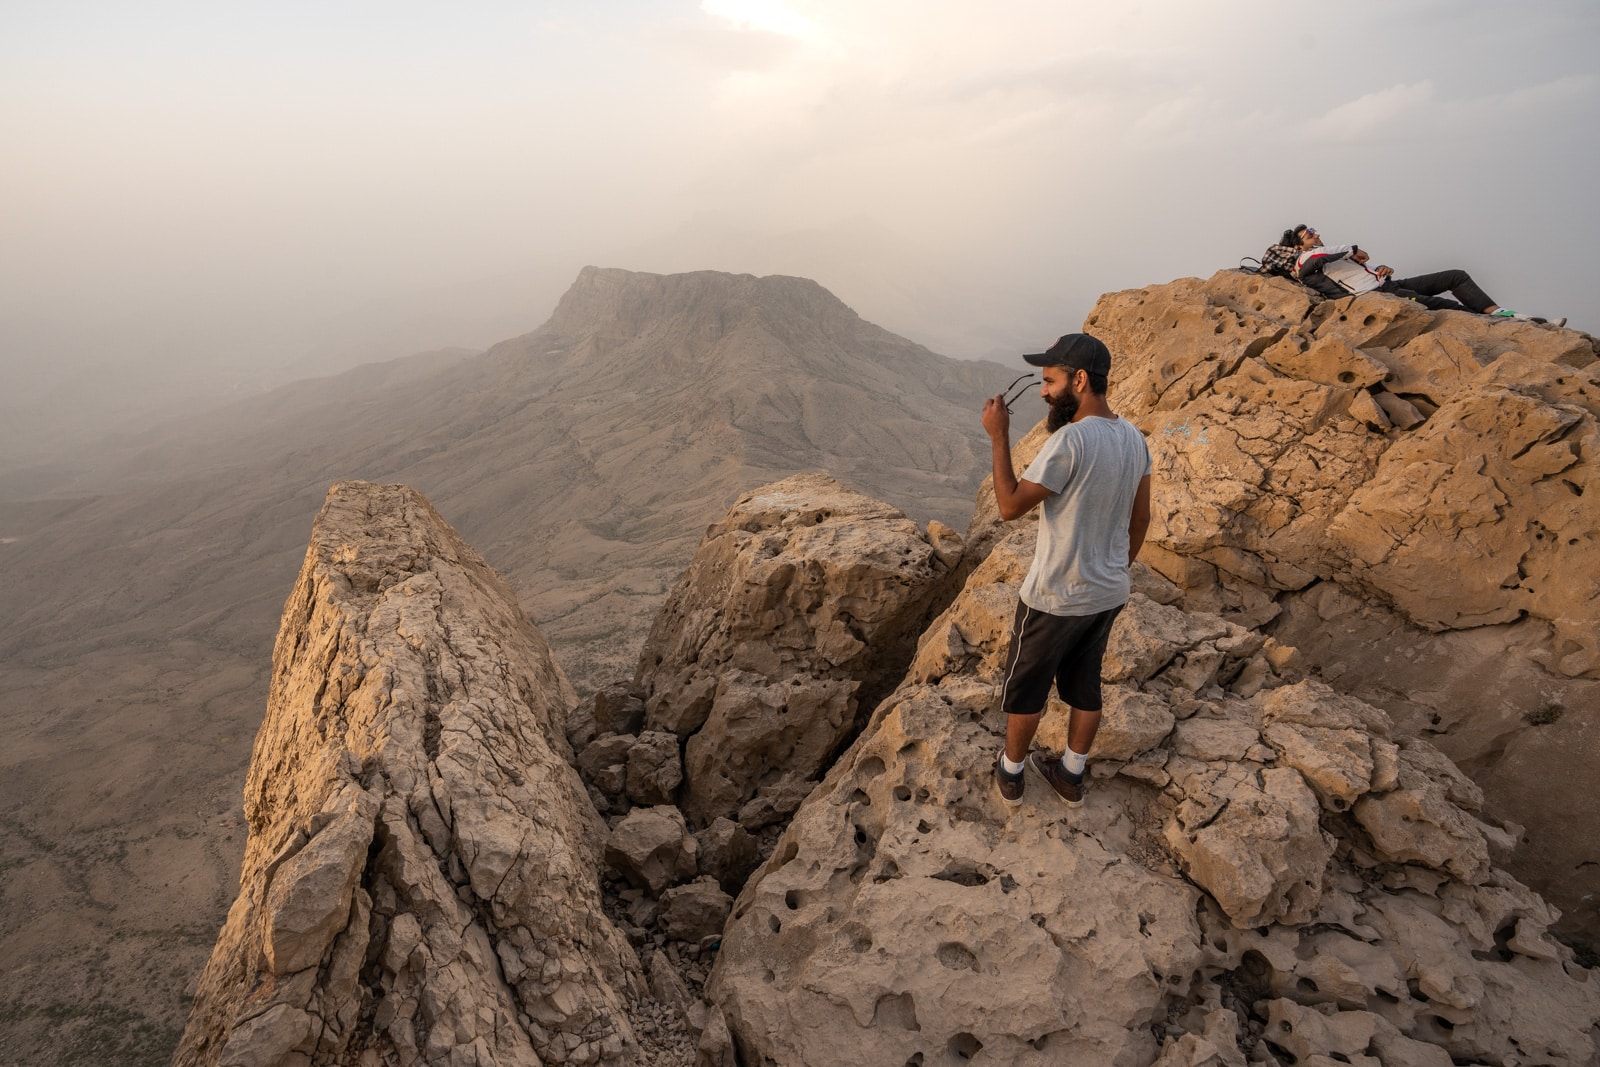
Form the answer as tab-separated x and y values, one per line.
583	459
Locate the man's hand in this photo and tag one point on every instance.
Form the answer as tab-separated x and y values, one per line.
1384	272
1360	257
996	419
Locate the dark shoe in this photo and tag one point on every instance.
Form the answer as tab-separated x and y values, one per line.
1068	788
1010	785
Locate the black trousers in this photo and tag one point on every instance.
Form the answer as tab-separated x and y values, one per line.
1425	290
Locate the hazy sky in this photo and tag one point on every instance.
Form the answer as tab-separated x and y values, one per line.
217	186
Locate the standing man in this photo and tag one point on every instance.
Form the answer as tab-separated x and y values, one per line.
1092	482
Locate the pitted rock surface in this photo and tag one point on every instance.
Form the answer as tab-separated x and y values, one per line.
804	597
1276	463
1236	888
1409	497
421	880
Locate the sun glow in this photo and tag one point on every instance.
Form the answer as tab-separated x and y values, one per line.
771	16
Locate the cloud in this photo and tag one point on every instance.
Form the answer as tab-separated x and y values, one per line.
1374	113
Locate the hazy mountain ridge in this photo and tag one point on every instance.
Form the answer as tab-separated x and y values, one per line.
584	460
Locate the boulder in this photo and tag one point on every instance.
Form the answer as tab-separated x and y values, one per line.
695	911
655	768
421	878
603	763
652	848
728	853
806	596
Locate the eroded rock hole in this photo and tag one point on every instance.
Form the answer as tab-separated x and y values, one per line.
1502	944
962	873
964	1046
898	1010
957	957
1546	715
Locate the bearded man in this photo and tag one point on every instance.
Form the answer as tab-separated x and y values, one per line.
1091	482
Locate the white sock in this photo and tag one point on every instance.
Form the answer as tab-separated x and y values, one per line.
1010	768
1074	762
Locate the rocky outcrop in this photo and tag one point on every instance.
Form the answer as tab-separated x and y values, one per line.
1409	498
804	601
421	880
1263	872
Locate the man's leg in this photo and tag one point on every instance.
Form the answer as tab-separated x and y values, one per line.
1019	734
1458	282
1078	683
1025	688
1081	728
1432	303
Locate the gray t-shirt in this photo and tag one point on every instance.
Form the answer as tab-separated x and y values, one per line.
1080	564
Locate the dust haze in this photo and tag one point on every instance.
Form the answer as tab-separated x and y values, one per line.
201	203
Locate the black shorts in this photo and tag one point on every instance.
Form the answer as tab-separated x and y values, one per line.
1066	649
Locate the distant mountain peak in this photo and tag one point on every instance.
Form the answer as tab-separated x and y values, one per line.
635	300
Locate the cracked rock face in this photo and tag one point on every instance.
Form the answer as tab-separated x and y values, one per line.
1437	462
800	599
420	883
1261	873
1410	498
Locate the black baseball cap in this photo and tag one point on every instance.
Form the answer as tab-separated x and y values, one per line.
1078	351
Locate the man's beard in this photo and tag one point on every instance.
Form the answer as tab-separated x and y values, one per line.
1062	408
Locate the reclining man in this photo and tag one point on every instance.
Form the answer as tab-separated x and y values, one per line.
1341	270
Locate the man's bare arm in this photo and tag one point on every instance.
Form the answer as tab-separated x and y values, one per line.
1014	497
1139	519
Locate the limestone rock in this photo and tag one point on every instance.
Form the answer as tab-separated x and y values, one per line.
618	709
1419	822
1208	739
604	764
654	768
1262	854
1434	467
773	804
1132	723
805	596
694	911
727	852
652	848
1220	888
1457	518
665	984
420	883
1215	1046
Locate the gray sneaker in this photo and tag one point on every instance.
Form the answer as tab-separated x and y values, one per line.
1069	790
1010	785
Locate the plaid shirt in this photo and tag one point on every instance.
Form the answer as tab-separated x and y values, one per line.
1279	260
